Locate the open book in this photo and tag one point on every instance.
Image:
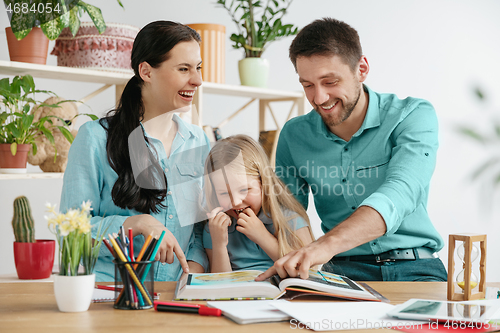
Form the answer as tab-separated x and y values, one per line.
241	285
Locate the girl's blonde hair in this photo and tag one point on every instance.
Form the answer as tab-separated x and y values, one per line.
276	197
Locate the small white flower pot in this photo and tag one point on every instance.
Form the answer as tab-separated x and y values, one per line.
74	293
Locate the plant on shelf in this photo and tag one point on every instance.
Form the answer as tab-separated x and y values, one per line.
258	25
52	16
17	124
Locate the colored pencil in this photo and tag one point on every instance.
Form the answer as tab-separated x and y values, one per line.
147	256
146	271
143	249
131	271
106	242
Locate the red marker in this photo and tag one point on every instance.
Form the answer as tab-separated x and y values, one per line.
131	244
202	310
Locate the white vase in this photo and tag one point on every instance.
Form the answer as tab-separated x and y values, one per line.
254	72
74	293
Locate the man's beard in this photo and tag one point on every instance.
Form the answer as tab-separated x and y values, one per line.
330	119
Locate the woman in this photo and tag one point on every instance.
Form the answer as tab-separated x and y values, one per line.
127	164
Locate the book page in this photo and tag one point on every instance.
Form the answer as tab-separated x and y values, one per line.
328	283
214	279
227	285
324	278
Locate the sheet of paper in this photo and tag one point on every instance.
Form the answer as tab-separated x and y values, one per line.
101	295
247	312
331	316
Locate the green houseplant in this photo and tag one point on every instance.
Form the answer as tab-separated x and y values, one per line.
52	16
488	172
18	130
258	26
45	18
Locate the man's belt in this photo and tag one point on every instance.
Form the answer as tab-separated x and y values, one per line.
393	255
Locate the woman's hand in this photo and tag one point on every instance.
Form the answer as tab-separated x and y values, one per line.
251	226
218	223
146	224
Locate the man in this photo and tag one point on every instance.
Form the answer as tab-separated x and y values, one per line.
367	158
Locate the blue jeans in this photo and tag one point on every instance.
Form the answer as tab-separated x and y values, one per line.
401	270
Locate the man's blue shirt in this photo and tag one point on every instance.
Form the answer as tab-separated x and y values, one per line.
386	165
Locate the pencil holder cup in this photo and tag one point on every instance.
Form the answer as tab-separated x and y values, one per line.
134	284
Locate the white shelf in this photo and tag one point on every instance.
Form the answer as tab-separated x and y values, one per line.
36	175
118	78
252	92
63	73
264	96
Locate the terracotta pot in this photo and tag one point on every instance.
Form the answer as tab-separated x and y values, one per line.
34	260
32	48
16	163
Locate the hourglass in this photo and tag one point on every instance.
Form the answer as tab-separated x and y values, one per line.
466	280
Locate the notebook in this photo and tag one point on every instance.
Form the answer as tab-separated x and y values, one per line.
108	295
101	295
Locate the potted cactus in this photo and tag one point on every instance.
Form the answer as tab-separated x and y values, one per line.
34	258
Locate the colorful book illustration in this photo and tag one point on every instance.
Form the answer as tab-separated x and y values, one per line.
241	285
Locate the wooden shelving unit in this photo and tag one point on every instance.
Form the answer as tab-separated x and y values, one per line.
118	79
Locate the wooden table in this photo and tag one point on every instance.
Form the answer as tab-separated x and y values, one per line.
31	307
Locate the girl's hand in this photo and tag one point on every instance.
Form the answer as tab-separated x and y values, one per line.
146	224
218	223
251	226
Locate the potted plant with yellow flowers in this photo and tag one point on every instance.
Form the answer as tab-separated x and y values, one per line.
73	287
257	27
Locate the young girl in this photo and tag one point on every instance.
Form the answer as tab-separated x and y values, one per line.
254	219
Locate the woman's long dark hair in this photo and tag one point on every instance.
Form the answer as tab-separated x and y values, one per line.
152	45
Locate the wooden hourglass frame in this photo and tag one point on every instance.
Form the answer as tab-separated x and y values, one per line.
468	240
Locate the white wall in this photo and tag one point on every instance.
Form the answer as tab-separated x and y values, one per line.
437	50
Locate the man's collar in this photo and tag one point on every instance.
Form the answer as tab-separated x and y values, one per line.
372	117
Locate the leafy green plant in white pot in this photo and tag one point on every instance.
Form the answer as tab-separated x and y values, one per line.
257	27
